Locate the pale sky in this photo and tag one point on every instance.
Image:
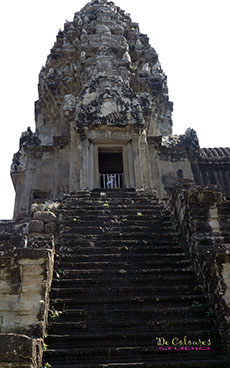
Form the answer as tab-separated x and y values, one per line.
190	36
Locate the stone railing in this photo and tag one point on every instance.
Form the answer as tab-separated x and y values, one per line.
26	271
203	217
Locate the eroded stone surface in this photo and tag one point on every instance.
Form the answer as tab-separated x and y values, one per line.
25	279
44	216
20	351
202	214
103	86
102	74
36	226
122	264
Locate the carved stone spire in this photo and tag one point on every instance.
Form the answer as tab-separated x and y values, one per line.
102	71
102	87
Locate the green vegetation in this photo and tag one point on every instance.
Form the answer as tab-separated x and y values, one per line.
54	313
58	273
46	365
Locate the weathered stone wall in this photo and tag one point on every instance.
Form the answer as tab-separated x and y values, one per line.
169	165
103	85
26	269
40	169
20	351
203	217
14	233
24	283
25	280
211	166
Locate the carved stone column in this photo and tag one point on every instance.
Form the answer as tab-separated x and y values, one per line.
137	161
145	160
91	181
84	164
131	181
74	160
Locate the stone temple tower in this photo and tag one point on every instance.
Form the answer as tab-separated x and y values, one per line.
102	96
103	118
137	218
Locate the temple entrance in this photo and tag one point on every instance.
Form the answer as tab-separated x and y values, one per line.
110	165
111	172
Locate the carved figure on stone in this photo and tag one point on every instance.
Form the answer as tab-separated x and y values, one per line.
29	138
69	102
191	138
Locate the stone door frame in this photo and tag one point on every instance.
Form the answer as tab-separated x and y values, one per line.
93	162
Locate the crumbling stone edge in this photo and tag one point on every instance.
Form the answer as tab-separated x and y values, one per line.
25	281
201	213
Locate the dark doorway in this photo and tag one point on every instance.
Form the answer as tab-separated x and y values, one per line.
110	161
111	167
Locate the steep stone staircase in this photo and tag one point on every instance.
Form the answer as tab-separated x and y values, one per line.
122	280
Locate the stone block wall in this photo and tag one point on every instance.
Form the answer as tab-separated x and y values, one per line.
26	270
211	166
20	351
24	284
203	216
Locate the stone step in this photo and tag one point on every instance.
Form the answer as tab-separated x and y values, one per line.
146	247
135	244
196	309
158	279
109	211
99	192
133	301
114	263
129	231
114	224
150	271
90	322
164	280
217	361
111	195
122	290
126	263
122	279
110	206
107	235
115	338
128	355
125	255
106	325
113	199
152	219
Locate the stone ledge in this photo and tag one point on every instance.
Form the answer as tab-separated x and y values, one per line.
25	281
200	212
28	253
20	351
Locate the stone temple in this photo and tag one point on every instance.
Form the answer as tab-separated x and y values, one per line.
118	253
